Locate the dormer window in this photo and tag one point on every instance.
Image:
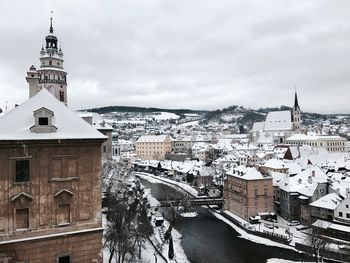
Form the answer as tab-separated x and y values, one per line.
43	119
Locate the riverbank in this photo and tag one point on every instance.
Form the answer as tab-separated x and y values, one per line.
206	238
243	234
157	239
183	186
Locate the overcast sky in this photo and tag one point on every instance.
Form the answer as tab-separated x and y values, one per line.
199	54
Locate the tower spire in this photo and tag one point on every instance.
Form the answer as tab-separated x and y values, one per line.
296	104
51	28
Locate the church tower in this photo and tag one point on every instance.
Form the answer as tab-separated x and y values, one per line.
296	114
51	74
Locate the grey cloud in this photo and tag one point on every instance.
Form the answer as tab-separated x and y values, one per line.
188	54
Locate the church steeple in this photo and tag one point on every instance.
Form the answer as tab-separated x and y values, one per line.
296	104
296	114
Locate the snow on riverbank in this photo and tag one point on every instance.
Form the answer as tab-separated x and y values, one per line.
189	214
171	183
279	260
179	252
243	234
250	237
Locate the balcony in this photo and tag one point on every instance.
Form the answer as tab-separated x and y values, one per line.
52	81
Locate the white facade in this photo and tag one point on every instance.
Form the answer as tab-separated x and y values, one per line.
342	211
330	143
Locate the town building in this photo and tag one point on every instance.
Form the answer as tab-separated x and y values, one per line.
50	74
277	126
289	187
121	146
96	121
50	187
248	192
342	212
330	143
324	208
153	147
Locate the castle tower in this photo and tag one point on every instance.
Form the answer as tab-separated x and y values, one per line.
296	114
51	74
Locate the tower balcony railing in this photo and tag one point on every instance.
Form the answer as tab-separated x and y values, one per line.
52	81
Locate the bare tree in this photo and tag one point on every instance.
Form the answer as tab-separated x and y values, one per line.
181	202
128	225
317	242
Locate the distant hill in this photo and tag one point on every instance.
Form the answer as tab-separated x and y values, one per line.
232	114
108	109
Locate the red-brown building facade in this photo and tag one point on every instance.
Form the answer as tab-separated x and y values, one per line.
50	189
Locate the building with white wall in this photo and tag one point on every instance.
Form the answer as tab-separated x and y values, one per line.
330	143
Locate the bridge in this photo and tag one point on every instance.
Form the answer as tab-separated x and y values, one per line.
192	201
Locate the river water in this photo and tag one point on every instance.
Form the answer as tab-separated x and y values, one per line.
206	239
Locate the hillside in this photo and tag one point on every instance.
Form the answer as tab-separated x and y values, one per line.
234	114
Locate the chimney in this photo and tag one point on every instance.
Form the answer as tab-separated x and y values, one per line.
310	180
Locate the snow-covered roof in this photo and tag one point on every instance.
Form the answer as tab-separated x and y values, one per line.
330	201
304	137
311	175
275	164
153	138
247	173
308	190
293	167
341	186
15	125
97	121
278	120
258	126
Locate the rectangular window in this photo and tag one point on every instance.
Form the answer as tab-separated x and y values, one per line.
43	121
22	218
72	164
347	215
341	214
61	96
104	149
63	214
55	168
22	170
64	259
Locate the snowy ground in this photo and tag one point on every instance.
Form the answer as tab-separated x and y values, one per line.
191	123
253	238
279	260
189	214
165	116
149	253
180	256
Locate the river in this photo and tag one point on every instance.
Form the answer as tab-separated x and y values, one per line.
206	239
